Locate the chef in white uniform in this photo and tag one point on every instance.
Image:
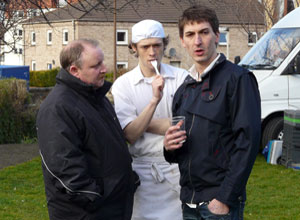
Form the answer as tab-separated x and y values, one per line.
143	101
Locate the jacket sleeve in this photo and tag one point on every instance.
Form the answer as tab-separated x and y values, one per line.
245	113
171	156
61	132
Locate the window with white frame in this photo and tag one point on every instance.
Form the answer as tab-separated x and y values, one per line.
122	65
18	32
33	12
175	63
33	38
49	37
19	14
49	66
65	37
252	38
223	37
122	37
33	65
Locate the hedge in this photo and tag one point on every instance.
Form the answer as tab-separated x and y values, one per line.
46	78
17	121
43	78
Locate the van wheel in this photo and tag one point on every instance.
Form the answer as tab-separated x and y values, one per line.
273	131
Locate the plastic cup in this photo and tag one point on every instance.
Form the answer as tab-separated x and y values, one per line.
175	120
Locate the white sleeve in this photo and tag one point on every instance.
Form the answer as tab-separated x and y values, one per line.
181	77
123	104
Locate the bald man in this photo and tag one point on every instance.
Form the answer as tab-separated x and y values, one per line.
86	164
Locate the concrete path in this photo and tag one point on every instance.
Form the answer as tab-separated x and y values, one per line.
12	154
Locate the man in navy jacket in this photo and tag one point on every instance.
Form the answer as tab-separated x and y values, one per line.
221	104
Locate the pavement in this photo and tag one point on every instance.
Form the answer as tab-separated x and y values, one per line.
12	154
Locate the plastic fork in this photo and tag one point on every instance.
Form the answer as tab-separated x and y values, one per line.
154	64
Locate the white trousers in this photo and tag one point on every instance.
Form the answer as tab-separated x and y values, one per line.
157	198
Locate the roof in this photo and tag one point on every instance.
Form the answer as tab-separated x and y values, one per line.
167	11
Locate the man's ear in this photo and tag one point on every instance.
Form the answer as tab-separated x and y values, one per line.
134	48
182	42
217	37
74	70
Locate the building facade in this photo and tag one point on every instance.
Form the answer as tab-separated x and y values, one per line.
43	42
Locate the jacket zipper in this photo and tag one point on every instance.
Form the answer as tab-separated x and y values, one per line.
193	195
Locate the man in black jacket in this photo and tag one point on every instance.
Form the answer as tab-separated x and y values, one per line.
86	164
221	104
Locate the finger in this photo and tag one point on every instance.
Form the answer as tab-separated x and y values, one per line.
172	129
179	123
174	138
178	141
175	144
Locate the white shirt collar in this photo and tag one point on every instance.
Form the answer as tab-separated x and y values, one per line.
194	73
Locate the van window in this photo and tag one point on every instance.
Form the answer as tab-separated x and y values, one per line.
272	49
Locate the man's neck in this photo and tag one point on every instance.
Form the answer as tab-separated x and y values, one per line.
147	72
200	67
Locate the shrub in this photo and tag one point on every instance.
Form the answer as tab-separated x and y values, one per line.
43	78
17	119
110	76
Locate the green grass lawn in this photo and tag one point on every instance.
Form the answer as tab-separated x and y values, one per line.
273	192
22	195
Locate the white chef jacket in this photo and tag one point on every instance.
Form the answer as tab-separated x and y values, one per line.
132	92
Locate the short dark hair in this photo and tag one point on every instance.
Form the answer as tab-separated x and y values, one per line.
165	42
71	54
198	13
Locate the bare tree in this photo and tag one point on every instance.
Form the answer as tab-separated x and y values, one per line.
249	13
12	13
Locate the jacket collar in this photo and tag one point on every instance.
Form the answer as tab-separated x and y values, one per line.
195	74
206	78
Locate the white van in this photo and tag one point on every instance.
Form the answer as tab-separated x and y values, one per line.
275	61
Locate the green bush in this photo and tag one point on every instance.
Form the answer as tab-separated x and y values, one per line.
17	121
43	78
110	76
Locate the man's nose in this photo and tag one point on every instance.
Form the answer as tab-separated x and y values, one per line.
151	50
198	40
103	68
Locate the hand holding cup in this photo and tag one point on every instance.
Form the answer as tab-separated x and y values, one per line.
176	134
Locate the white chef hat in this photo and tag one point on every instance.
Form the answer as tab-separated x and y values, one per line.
147	29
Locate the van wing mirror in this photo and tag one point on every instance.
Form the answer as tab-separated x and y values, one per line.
237	59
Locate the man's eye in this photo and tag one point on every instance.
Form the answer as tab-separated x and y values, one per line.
188	34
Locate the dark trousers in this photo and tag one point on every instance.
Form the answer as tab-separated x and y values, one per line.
202	213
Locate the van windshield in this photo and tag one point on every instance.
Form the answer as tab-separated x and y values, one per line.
271	49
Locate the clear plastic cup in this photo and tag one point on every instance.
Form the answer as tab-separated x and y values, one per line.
175	120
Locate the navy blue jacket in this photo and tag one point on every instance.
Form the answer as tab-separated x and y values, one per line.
86	163
223	133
